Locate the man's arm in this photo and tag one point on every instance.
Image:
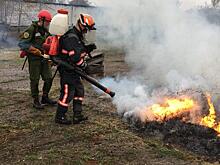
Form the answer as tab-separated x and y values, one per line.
25	42
75	50
26	38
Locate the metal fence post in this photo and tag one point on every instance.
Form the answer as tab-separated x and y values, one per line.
71	16
5	12
40	7
19	15
2	2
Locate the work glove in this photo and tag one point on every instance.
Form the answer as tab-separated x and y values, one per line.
45	56
34	51
83	66
50	63
90	48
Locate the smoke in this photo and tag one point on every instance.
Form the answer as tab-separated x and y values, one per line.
170	49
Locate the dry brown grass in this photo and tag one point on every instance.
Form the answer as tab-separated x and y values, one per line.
28	136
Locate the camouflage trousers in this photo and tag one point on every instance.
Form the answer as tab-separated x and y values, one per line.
39	68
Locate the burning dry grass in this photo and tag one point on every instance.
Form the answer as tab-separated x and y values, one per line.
210	120
184	120
181	107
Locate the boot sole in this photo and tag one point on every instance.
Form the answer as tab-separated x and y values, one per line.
81	121
58	122
46	104
38	107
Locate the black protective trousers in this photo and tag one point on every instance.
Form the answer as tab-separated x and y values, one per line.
71	89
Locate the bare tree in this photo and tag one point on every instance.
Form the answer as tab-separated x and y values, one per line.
215	2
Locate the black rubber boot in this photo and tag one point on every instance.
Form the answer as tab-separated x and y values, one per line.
61	118
37	104
78	118
47	101
77	112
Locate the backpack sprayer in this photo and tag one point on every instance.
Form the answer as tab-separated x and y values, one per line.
51	45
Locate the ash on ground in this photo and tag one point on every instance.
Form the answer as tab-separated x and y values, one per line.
198	139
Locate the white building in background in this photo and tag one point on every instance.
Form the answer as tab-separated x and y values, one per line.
188	4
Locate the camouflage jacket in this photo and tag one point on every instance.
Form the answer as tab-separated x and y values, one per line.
35	36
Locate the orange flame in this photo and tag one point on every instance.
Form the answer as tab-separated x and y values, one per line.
172	107
210	119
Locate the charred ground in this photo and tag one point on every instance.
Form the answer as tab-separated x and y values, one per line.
28	136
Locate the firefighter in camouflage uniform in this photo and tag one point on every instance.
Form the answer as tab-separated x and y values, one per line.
31	41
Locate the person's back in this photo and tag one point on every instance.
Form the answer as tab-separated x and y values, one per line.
73	51
71	48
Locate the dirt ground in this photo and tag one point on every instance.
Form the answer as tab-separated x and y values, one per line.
28	136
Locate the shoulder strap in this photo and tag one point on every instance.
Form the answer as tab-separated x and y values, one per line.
69	35
35	31
72	35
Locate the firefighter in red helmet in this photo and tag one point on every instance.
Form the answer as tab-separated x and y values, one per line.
73	50
45	14
45	18
31	41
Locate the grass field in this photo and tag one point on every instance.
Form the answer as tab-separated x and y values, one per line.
28	136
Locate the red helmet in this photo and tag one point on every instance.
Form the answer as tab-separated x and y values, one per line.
87	21
45	14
